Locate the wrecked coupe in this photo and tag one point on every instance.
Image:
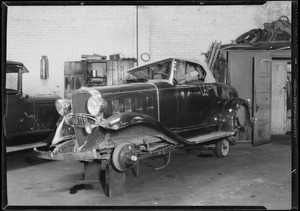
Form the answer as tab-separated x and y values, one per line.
159	107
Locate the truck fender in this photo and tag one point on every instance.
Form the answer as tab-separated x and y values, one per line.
123	120
228	120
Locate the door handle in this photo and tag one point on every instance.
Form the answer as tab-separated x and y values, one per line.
257	107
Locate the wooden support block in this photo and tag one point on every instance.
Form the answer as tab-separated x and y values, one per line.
92	171
115	182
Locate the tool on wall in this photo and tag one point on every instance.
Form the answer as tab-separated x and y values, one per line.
44	73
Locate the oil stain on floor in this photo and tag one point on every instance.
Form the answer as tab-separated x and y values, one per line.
76	188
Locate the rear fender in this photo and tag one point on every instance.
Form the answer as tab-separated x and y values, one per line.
124	120
229	112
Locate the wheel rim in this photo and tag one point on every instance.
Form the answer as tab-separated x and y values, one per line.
124	156
225	147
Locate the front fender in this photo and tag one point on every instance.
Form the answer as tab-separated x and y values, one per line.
123	120
229	111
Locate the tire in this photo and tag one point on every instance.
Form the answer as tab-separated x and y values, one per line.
222	148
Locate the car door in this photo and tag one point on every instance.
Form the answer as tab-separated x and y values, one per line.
191	98
18	110
214	104
19	115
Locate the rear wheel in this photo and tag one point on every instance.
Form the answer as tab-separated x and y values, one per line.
222	148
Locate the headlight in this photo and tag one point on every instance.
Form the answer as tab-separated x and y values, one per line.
63	106
96	105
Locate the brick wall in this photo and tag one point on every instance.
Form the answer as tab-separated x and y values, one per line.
188	31
65	33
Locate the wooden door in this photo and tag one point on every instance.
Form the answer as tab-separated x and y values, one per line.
262	80
279	97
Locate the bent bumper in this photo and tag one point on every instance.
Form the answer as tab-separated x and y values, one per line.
77	156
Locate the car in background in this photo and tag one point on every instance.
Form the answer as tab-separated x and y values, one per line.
27	118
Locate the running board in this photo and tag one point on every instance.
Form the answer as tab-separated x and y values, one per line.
208	137
25	146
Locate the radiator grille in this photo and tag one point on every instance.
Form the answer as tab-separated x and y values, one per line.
79	102
79	105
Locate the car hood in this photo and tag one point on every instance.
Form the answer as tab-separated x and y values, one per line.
125	88
44	97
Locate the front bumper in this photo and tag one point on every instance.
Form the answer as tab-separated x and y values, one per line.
77	156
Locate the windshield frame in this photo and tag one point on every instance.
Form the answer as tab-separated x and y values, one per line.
139	68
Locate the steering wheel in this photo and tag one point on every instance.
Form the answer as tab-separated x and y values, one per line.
175	80
161	73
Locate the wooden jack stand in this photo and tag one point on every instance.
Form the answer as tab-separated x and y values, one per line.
92	171
114	181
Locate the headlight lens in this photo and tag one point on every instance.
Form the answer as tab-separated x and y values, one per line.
96	105
63	106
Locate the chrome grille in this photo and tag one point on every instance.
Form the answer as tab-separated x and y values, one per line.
79	105
79	102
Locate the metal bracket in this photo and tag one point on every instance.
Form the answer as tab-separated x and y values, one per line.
168	161
265	60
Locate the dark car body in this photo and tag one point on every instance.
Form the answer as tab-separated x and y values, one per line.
163	105
26	115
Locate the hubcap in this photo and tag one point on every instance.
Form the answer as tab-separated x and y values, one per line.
225	147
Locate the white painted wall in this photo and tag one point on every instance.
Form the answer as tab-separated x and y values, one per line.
64	34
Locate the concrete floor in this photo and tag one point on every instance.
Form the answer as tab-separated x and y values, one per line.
248	176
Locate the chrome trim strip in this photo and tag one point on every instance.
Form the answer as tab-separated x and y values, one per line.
93	92
158	109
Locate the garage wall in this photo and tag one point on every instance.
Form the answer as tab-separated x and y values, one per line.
65	33
188	31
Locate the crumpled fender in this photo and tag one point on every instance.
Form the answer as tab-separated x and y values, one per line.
123	120
229	110
63	131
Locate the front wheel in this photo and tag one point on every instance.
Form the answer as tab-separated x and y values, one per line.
222	148
124	156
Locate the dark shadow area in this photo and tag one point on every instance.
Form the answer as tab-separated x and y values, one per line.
205	155
22	159
26	140
281	139
102	178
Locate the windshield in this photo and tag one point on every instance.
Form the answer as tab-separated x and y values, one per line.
12	82
160	70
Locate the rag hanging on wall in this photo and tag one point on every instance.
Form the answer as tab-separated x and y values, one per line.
44	67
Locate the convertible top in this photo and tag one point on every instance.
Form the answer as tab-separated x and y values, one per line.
13	67
208	79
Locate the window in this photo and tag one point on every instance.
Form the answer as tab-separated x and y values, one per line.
180	73
187	72
12	81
